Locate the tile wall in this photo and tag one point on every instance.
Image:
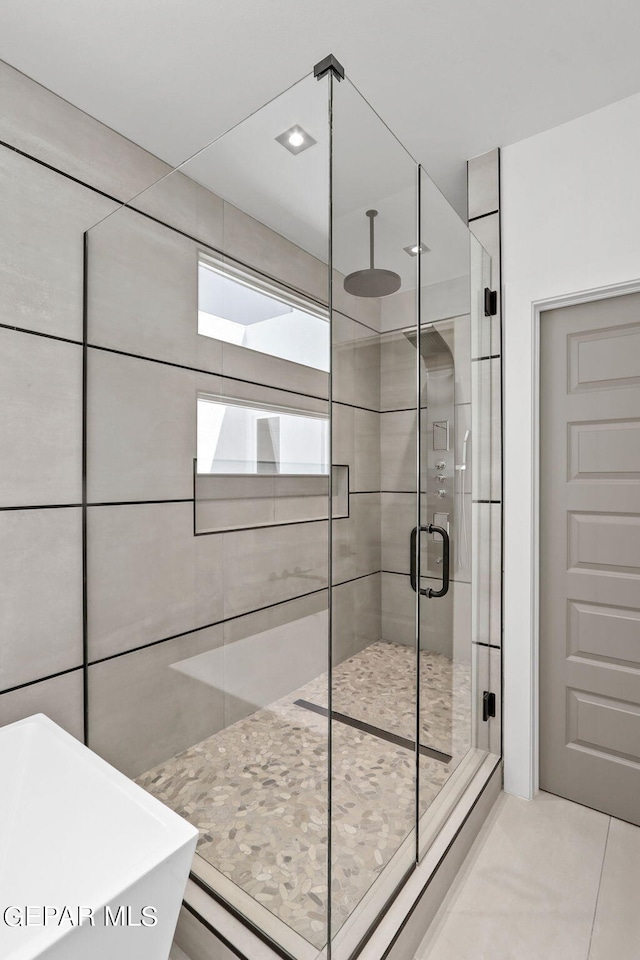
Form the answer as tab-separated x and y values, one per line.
484	222
158	600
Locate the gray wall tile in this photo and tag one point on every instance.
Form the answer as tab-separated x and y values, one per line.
41	575
484	200
41	426
445	623
398	451
356	539
356	616
447	628
487	668
243	390
230	514
483	184
143	291
463	422
486	567
398	373
495	685
343	438
399	311
355	363
256	244
296	509
398	622
486	430
148	576
59	698
367	438
461	350
398	518
365	310
244	364
495	593
343	360
280	613
264	661
149	705
45	126
44	217
367	371
187	205
487	231
271	564
141	428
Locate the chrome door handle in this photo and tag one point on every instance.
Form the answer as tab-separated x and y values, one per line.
413	561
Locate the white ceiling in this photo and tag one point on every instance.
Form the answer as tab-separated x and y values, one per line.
453	78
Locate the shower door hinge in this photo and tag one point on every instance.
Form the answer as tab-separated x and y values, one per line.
488	705
329	63
490	302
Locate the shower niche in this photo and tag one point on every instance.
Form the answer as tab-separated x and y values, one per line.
288	461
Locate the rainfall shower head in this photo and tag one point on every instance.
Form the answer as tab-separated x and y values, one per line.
372	282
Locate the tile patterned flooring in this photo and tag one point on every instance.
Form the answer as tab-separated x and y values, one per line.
546	878
257	790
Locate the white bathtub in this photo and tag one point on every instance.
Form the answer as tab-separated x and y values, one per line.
76	833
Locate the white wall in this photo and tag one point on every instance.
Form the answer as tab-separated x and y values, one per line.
571	223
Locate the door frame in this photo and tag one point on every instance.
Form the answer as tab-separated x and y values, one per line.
538	307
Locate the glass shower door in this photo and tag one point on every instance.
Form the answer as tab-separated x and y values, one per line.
208	508
288	418
373	612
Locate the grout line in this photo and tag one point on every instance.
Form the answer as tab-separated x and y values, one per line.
236	616
200	370
30	683
42	506
481	216
595	909
67	176
40	333
137	503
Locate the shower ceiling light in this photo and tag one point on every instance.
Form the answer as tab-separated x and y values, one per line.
414	249
295	139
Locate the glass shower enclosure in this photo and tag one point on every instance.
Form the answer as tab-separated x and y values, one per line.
287	444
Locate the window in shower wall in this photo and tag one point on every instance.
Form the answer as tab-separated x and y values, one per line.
255	314
238	437
263	465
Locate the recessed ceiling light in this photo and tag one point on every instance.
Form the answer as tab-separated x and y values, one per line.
414	249
295	139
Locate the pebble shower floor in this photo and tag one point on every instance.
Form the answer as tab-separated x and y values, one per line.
257	791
